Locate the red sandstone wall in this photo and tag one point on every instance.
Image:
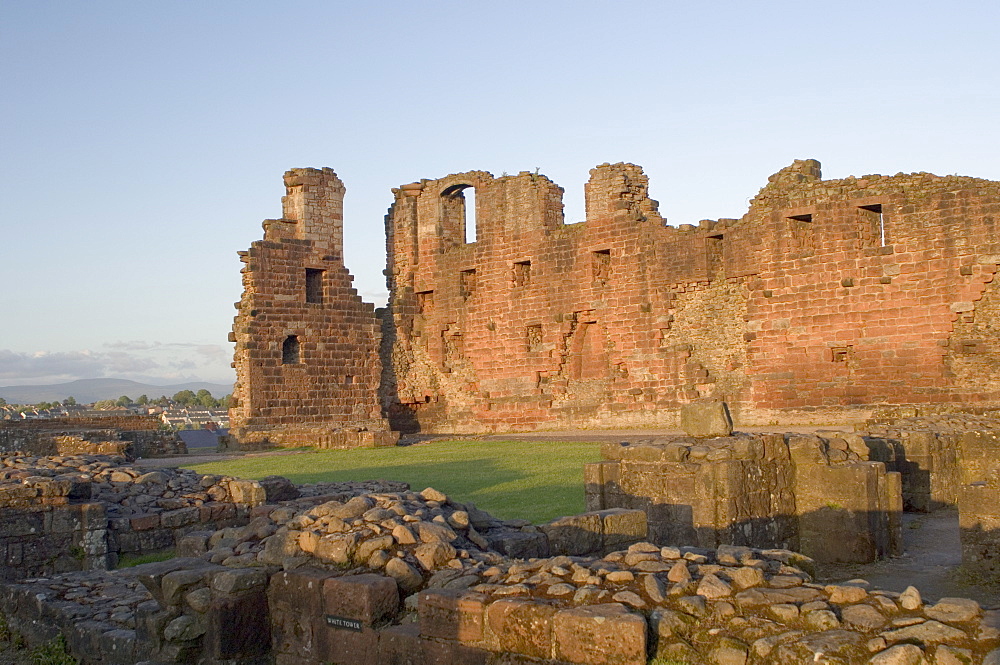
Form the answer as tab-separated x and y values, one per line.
796	311
333	384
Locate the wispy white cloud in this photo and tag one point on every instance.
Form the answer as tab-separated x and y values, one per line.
136	360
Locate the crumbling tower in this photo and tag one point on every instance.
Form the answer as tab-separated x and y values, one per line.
307	366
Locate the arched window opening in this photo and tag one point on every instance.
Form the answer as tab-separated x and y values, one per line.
458	214
290	350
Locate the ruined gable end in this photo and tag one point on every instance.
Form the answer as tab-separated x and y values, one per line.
306	356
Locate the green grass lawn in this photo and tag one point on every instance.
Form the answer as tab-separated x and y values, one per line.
537	480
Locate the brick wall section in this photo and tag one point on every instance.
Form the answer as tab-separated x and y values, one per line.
297	293
825	298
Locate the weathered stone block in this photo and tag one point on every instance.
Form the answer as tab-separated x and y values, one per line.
238	624
706	419
575	535
366	598
600	635
452	614
520	626
400	645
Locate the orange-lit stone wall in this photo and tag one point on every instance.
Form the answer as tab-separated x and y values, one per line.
825	299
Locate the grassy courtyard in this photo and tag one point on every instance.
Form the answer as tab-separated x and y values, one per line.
537	480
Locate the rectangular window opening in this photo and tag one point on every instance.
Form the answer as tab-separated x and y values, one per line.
425	301
533	337
290	351
314	285
522	273
601	265
467	283
873	214
840	354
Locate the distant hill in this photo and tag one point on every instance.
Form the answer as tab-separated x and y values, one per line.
86	391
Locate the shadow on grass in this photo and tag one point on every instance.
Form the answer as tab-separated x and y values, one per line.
509	481
481	473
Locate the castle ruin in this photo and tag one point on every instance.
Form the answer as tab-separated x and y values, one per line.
828	300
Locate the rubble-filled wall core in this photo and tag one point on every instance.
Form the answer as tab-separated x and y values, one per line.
826	298
307	367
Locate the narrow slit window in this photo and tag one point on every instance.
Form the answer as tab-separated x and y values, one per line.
290	350
470	214
533	337
314	285
467	283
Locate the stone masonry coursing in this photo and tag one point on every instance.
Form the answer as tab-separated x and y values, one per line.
82	512
835	496
132	436
826	298
389	577
818	495
307	367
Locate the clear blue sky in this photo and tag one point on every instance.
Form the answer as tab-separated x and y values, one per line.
142	143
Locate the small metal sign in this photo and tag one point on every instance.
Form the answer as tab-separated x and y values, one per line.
346	624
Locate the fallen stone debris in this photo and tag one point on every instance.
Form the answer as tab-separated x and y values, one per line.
376	573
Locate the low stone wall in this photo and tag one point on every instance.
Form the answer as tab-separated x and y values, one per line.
815	494
82	512
730	605
132	436
949	459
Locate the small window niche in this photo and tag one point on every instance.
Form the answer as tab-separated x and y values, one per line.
713	254
467	283
425	301
290	351
522	274
840	354
802	235
872	225
533	338
314	286
601	266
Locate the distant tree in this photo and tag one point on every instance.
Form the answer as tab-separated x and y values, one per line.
224	402
3	402
124	400
69	401
205	399
184	397
104	404
162	401
143	400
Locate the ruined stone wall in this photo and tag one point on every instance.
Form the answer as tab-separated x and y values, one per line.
133	436
859	286
817	495
826	298
353	581
82	512
306	362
